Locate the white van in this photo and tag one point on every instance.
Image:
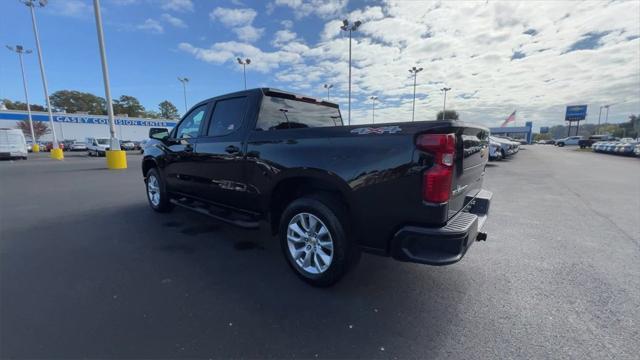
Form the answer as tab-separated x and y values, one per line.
97	146
12	144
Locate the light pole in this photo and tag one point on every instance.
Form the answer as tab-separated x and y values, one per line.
606	118
444	104
56	152
20	50
373	108
350	28
599	117
184	82
244	64
328	86
415	72
116	158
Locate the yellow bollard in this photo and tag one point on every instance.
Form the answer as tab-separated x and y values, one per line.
57	154
35	148
116	159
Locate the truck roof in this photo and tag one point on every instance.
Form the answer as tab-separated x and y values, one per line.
276	92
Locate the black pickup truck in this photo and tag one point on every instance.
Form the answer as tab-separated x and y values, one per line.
410	190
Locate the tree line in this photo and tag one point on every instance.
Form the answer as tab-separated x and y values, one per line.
72	101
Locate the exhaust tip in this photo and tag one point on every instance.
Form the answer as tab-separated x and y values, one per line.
482	236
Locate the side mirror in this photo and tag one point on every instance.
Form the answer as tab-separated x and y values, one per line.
159	133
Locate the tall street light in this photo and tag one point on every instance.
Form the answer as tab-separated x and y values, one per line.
606	118
328	87
184	82
373	108
244	64
56	152
350	28
444	105
415	72
116	157
20	50
599	117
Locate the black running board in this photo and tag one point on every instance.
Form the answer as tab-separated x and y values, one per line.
224	215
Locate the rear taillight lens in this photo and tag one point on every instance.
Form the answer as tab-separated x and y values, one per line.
436	182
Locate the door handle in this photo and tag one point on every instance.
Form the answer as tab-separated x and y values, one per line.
231	149
188	148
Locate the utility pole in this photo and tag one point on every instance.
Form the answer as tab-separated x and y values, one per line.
599	116
350	28
184	82
328	87
56	152
116	158
373	108
415	72
244	64
20	50
444	105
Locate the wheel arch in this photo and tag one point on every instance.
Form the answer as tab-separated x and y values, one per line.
294	186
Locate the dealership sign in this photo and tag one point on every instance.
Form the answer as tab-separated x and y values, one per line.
87	119
576	113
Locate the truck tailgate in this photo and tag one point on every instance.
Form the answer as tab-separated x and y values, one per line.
471	158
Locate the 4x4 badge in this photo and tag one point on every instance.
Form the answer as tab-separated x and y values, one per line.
377	130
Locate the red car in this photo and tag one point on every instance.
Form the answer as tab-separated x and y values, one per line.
50	146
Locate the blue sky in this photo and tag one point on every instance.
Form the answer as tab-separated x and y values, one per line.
497	56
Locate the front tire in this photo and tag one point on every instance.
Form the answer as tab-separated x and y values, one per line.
156	191
314	240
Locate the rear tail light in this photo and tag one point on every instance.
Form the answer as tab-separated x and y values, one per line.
436	182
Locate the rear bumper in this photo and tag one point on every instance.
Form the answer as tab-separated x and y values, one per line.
445	245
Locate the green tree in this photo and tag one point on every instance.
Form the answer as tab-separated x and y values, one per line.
18	105
73	101
128	105
151	114
39	128
168	110
448	115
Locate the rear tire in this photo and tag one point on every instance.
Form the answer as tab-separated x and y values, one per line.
314	240
156	191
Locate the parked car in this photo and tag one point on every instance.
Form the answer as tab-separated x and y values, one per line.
66	144
29	146
127	145
585	143
494	151
507	147
615	147
637	150
13	144
78	146
49	146
97	146
143	143
266	154
571	140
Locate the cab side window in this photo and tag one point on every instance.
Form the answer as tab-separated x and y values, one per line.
190	126
227	117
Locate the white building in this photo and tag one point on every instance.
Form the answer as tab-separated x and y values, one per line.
79	127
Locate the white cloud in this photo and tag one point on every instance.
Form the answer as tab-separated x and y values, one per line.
282	37
287	24
233	17
473	56
248	33
71	8
240	21
174	21
226	52
152	26
321	8
177	5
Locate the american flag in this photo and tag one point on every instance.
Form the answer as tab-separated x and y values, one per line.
511	118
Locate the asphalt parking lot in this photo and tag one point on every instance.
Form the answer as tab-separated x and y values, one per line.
88	270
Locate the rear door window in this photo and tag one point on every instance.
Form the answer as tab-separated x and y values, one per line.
228	116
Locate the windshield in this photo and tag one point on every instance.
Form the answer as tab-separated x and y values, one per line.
279	113
102	141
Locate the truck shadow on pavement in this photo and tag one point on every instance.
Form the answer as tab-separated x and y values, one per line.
185	277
